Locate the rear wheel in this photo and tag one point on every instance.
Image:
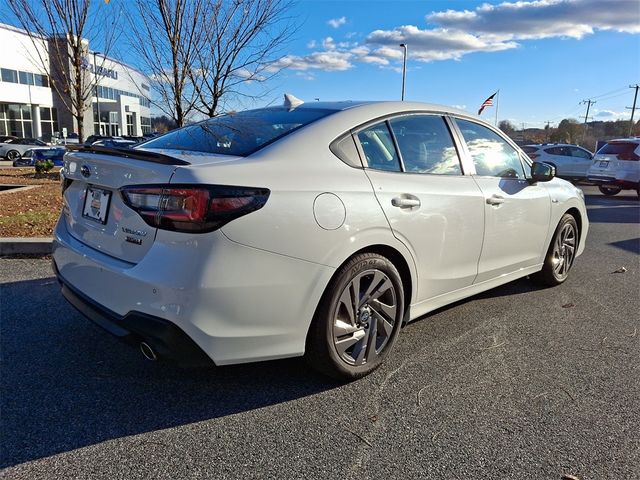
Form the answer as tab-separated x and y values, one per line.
12	155
607	190
561	253
358	319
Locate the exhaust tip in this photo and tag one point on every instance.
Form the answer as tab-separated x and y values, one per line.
148	352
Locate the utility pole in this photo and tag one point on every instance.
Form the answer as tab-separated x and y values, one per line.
633	109
588	102
546	129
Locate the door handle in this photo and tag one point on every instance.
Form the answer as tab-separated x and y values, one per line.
405	202
495	200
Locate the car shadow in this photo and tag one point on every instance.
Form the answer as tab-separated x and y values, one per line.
601	209
632	245
520	286
67	384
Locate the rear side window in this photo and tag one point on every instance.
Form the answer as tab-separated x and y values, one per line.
379	150
624	150
240	133
426	145
491	154
528	149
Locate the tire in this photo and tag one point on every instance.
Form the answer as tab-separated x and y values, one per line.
13	155
561	253
363	302
609	191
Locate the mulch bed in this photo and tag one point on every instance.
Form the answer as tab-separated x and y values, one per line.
30	212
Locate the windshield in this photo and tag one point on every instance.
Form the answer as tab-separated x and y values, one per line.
616	148
239	133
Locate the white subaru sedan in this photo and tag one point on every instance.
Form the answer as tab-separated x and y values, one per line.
309	229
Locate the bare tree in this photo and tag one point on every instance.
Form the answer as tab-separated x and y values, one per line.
165	35
60	31
242	40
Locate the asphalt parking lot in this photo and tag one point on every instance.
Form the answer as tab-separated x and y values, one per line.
519	382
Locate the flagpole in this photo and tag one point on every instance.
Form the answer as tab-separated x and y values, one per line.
497	105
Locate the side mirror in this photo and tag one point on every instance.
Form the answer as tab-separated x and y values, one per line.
542	172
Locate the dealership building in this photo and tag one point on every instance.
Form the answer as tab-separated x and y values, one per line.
30	107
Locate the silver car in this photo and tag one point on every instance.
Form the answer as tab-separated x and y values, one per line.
13	149
571	161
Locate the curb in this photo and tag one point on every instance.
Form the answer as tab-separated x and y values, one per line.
25	246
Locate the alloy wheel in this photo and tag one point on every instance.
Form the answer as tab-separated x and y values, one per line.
365	317
564	251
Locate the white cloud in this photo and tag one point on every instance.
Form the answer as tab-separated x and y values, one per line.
610	115
328	43
433	44
451	34
337	22
330	61
523	20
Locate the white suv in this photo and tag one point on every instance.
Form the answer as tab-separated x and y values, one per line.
616	166
571	161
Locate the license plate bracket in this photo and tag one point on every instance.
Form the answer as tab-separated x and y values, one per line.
96	204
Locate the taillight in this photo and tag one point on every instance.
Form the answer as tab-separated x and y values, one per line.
628	156
192	208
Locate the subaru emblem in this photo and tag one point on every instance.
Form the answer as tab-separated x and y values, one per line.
86	171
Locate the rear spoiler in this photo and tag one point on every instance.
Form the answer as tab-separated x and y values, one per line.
144	155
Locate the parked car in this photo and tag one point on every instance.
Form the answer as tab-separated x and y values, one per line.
571	161
33	155
616	166
115	143
308	229
14	148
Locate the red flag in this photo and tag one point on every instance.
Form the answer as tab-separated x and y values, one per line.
487	103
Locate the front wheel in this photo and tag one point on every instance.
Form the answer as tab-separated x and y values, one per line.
605	190
561	253
358	319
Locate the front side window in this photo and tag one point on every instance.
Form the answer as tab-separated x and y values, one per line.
378	148
491	154
426	145
580	153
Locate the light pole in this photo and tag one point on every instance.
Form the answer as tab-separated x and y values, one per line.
95	75
404	67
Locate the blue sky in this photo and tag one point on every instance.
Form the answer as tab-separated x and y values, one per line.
545	56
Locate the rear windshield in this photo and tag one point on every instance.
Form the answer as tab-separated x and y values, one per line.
529	149
239	133
617	148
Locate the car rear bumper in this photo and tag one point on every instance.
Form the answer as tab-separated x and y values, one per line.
612	181
235	303
168	340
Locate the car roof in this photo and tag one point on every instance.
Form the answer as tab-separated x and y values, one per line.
630	140
383	105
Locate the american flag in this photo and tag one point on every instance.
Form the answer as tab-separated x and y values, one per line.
487	103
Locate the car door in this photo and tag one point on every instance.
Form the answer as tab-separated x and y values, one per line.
432	207
581	160
516	212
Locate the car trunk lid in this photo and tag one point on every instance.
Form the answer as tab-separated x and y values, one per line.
93	206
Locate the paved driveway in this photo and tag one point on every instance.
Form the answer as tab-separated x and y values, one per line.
519	382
